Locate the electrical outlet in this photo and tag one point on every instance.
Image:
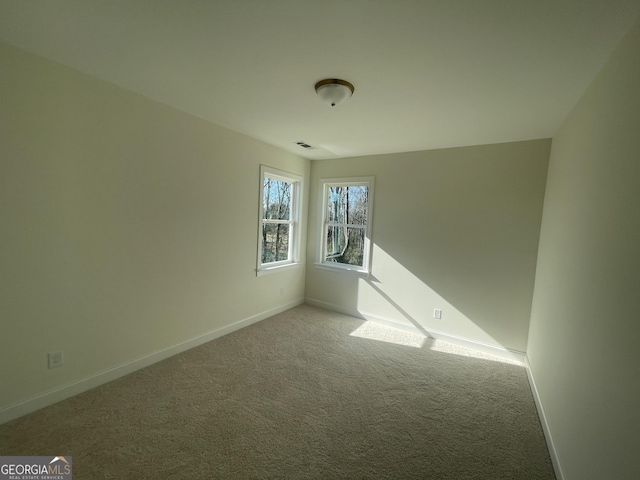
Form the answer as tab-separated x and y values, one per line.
437	313
281	291
55	359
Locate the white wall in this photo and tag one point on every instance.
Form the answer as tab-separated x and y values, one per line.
584	333
455	229
126	227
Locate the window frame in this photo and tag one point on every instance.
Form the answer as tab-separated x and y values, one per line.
321	254
293	256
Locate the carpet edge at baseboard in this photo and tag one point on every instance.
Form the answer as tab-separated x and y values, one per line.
555	460
55	395
495	350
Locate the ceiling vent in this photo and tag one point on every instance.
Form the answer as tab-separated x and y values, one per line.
304	145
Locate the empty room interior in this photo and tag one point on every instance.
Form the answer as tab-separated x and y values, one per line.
475	187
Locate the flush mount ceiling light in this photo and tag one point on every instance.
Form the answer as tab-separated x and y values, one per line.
333	90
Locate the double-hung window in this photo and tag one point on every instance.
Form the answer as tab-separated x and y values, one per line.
345	228
279	219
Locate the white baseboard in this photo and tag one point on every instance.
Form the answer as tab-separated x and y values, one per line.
543	420
55	395
490	349
332	307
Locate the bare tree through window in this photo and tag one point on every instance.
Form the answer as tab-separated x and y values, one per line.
279	194
345	224
276	218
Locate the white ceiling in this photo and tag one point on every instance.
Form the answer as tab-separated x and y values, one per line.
428	73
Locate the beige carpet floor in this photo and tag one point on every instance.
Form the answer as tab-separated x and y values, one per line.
306	394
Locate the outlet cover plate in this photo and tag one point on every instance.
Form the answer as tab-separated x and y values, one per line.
55	359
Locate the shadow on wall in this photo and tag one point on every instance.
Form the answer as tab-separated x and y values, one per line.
458	230
454	229
402	300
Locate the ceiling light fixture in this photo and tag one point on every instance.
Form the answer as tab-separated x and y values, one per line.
334	90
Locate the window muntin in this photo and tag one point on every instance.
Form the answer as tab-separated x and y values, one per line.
346	223
278	229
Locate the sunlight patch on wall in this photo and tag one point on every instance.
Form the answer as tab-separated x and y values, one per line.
393	292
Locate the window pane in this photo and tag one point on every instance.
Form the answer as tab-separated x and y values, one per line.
345	245
357	205
276	199
347	204
275	242
335	212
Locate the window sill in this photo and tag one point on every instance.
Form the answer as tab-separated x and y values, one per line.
339	268
276	268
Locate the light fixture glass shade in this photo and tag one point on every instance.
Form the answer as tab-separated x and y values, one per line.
334	91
